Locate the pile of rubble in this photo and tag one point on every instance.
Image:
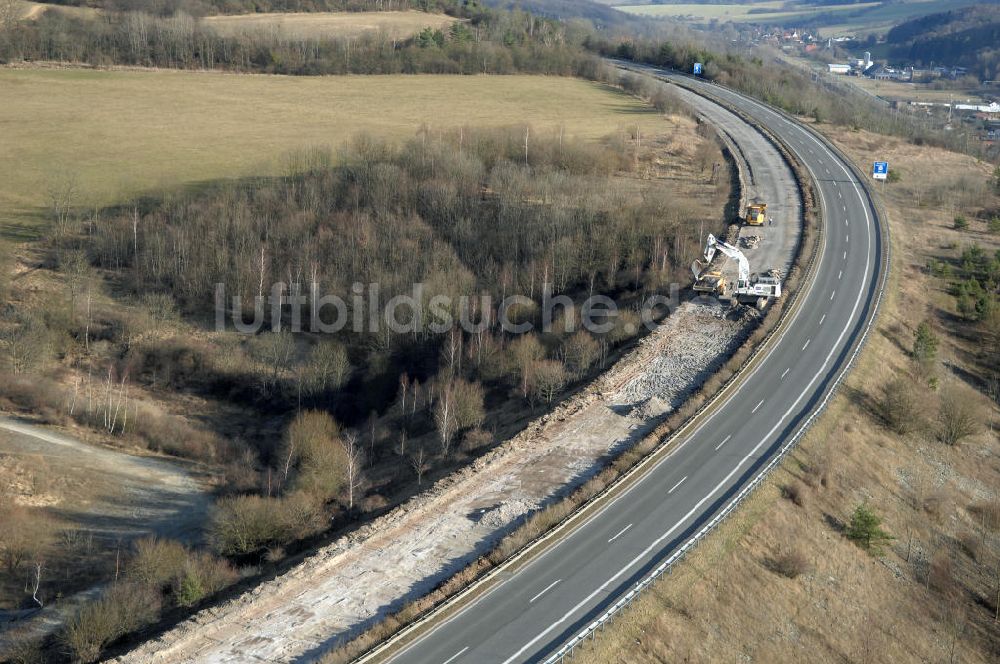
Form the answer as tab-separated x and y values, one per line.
702	336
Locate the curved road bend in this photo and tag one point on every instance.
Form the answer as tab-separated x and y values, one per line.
532	613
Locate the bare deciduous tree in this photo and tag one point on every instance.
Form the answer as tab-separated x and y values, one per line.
548	378
352	469
444	416
420	463
958	418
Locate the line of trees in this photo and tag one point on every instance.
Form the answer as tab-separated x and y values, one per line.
205	7
487	41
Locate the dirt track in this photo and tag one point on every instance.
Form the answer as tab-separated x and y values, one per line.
113	495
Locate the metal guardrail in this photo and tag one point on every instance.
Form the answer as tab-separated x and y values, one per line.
590	631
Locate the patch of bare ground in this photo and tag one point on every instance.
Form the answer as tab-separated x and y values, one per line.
780	581
68	511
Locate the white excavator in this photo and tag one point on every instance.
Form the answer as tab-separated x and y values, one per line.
749	288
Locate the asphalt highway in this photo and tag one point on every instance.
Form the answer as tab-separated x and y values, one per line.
528	616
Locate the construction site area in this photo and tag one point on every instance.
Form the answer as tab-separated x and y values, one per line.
344	587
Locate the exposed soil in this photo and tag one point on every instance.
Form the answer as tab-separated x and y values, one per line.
106	495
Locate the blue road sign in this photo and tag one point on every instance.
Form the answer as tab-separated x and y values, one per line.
881	170
697	69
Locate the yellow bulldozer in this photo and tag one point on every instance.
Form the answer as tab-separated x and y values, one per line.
756	214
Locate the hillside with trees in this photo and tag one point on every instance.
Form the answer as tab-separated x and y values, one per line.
968	37
485	41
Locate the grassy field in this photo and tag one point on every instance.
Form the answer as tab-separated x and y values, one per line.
121	132
332	24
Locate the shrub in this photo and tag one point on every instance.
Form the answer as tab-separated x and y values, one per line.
958	419
245	524
202	575
925	343
25	536
795	492
156	562
988	514
23	647
469	404
865	529
971	545
791	564
939	573
993	225
960	223
475	439
901	406
580	351
125	607
548	378
313	455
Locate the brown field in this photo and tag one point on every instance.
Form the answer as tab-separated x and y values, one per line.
729	601
397	25
117	133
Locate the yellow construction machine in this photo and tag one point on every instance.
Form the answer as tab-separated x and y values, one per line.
756	214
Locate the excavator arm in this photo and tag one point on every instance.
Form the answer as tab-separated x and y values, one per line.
734	253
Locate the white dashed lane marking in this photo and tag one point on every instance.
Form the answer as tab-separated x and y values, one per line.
547	589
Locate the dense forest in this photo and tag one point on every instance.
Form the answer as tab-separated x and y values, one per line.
967	37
